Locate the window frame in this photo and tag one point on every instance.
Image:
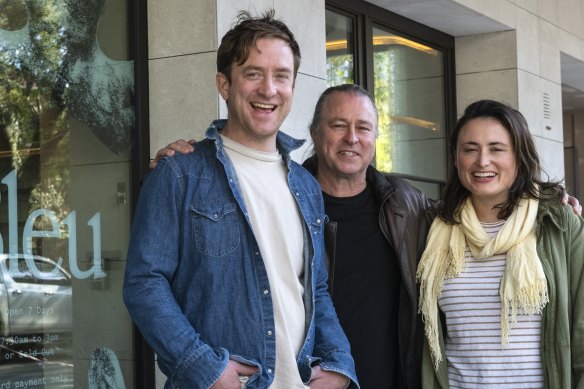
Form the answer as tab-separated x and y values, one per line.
366	16
143	355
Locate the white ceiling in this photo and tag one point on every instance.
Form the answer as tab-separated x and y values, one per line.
444	15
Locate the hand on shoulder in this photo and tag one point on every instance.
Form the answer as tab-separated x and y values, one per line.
181	146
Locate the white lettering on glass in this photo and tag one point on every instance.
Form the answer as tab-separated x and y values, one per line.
55	232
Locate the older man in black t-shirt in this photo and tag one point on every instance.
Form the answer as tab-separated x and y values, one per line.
377	228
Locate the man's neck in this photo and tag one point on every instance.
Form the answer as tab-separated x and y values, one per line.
341	186
266	144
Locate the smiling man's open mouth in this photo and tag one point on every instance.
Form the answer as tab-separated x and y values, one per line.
264	107
348	153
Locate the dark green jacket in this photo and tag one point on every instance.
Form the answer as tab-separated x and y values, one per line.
560	248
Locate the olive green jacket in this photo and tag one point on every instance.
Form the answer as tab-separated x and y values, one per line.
561	250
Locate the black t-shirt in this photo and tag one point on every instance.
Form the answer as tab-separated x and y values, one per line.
366	288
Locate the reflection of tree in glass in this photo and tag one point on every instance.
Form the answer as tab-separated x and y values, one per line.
32	127
384	88
51	67
98	89
49	195
104	370
13	14
100	97
339	69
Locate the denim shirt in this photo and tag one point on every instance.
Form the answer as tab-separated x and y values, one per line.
195	282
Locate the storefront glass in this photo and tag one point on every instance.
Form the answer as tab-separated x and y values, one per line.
66	126
407	68
409	95
340	61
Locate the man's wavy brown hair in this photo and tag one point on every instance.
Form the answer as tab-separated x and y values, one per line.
236	43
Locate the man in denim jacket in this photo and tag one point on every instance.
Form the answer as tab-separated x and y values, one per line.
225	275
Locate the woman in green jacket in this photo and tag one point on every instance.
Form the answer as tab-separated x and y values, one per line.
501	279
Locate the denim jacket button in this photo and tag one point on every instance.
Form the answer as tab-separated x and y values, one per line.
266	291
269	333
270	371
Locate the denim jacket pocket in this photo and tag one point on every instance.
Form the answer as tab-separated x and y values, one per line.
247	380
216	228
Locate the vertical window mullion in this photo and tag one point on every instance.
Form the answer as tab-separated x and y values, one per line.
367	43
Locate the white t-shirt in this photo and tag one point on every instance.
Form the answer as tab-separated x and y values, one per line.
277	226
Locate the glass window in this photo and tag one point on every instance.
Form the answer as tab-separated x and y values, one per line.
409	95
340	61
407	69
66	128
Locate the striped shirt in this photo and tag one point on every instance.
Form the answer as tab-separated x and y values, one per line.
474	353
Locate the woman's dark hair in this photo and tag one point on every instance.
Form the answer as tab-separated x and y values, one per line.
236	43
529	170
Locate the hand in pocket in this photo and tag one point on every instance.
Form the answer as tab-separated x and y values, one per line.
230	379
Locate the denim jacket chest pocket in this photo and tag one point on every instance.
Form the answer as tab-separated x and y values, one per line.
216	227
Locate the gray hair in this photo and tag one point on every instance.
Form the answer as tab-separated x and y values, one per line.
352	89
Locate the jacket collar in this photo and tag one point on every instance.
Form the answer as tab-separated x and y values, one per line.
311	164
284	142
553	210
382	186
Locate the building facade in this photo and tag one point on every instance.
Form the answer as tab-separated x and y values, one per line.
91	89
528	53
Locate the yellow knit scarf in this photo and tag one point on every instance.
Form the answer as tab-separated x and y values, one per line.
523	285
